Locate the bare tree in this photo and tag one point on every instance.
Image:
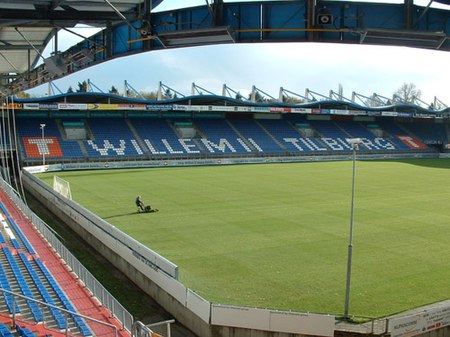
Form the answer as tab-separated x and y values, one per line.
239	96
150	95
374	101
23	94
114	91
82	87
407	93
292	100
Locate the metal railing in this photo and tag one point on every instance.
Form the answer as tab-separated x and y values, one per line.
91	283
363	325
67	313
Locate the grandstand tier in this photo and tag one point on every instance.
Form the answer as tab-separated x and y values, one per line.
38	291
160	138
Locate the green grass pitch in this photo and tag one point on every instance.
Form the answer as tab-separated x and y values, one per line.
276	235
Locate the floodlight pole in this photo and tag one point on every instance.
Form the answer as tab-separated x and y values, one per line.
354	142
43	152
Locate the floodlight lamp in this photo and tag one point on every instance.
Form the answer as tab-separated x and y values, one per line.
354	142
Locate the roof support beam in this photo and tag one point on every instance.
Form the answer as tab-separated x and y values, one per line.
124	19
28	41
409	7
56	17
15	47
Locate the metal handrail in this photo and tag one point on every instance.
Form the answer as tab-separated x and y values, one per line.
93	285
14	295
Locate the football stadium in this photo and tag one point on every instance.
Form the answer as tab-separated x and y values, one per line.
209	215
250	207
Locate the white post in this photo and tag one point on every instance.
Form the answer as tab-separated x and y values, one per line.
354	142
43	152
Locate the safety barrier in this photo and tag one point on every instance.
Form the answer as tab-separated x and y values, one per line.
67	313
91	283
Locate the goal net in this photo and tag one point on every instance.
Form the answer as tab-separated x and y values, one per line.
62	187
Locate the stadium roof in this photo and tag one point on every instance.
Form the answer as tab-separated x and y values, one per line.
217	100
26	26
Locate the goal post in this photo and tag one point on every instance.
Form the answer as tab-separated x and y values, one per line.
62	187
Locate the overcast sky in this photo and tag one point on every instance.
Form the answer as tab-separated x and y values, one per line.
319	67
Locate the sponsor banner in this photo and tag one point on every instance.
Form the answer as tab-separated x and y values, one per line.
159	107
131	106
404	114
181	107
176	107
273	321
420	323
31	106
338	112
100	106
223	108
260	109
13	106
244	109
36	169
104	106
423	115
200	107
300	110
281	110
406	326
72	106
48	106
389	113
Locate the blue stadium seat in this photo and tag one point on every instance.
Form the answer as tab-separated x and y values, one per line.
25	289
57	315
30	128
161	139
5	331
220	138
18	231
64	299
253	132
288	136
24	332
112	139
429	133
4	284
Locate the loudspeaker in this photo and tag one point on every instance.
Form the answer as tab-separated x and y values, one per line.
324	19
145	29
